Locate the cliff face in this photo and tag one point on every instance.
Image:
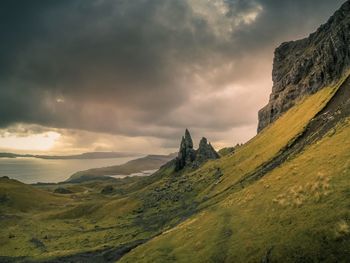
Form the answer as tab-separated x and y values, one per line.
306	66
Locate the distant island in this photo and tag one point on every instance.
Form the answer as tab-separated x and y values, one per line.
146	163
89	155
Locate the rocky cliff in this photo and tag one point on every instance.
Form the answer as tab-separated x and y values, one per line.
188	157
307	65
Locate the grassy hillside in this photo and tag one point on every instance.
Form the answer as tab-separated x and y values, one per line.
210	214
19	197
297	213
40	224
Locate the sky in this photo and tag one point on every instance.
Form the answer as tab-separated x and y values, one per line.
121	75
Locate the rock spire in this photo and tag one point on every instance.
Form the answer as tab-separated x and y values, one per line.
188	157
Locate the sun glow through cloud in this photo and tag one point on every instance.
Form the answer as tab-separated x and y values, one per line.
37	142
105	75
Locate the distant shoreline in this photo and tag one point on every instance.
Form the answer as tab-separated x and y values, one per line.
83	156
142	173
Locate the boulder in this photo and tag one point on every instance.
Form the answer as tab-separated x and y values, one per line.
4	198
61	190
109	189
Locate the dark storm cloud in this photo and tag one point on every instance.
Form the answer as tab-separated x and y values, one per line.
143	67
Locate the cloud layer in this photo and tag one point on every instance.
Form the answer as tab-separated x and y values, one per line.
145	68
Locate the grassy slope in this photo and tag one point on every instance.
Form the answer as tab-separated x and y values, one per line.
259	150
143	207
288	212
65	224
300	209
273	139
75	223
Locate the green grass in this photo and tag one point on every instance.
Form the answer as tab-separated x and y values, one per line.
85	220
23	197
312	224
66	224
299	209
298	212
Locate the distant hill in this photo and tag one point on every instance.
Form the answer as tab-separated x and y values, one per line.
9	155
149	162
89	155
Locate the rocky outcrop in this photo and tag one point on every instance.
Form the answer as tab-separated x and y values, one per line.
188	157
186	153
108	189
205	152
308	65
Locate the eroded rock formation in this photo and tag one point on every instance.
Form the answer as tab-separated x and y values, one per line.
186	153
205	152
188	157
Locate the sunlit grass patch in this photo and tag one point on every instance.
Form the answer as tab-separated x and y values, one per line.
342	229
312	191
